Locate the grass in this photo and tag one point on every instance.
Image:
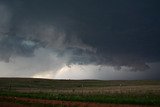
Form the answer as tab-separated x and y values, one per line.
117	92
100	98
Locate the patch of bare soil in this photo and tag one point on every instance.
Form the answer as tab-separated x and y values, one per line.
61	103
9	104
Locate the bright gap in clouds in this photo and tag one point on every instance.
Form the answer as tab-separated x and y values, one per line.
93	72
75	72
47	64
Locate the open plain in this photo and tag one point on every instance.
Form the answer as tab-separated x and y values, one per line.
24	92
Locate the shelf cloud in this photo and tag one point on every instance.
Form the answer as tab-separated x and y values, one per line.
54	34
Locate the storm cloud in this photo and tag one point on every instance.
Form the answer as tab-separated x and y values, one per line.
52	34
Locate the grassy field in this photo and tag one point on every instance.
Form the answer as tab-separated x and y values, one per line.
145	92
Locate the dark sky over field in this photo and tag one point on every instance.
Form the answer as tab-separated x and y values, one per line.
80	39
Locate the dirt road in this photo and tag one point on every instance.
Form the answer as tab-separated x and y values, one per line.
11	103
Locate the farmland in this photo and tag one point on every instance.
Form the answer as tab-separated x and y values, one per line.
136	92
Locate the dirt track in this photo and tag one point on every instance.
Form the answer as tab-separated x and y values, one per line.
63	103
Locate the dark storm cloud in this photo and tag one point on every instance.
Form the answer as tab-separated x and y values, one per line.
117	33
13	46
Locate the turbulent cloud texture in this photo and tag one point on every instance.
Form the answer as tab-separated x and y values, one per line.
39	36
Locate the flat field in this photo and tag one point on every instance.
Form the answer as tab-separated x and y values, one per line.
135	92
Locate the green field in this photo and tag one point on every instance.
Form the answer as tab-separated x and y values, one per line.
145	92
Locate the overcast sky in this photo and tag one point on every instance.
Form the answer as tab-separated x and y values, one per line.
80	39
